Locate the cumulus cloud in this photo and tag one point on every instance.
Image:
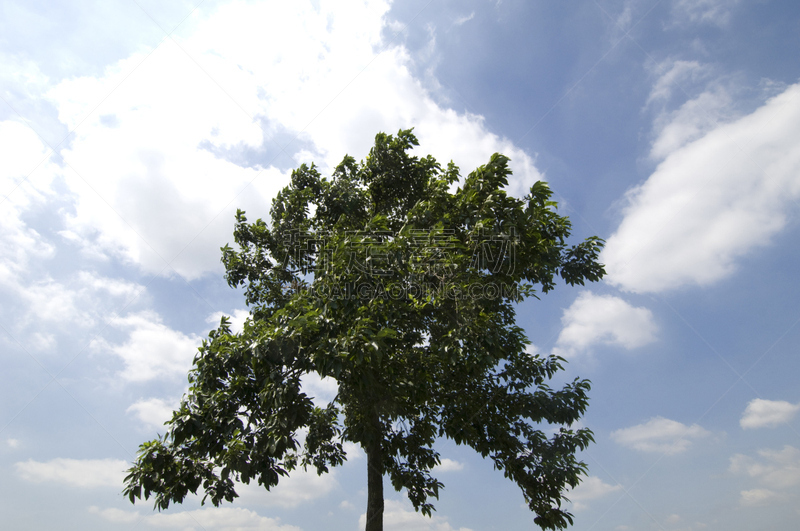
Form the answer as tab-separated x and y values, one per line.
603	319
86	473
762	413
114	287
211	519
591	488
46	311
215	118
153	412
710	201
153	350
115	516
776	469
321	390
449	465
659	435
301	486
79	301
400	516
237	319
777	472
26	176
27	184
53	302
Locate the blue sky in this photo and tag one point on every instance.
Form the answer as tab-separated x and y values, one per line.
130	133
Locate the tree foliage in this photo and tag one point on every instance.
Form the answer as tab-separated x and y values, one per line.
403	290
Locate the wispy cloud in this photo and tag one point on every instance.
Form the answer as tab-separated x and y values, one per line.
713	12
461	20
660	435
85	473
211	519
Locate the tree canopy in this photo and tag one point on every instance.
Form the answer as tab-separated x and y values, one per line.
403	289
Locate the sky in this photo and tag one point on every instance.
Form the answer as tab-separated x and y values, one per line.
131	131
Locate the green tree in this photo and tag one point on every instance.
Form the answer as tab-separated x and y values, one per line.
404	292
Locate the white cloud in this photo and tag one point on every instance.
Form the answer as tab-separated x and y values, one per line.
20	76
153	350
210	519
756	497
86	473
354	451
776	470
115	516
50	301
623	21
449	465
676	72
400	516
237	319
189	133
25	179
301	486
153	412
603	319
41	341
13	443
462	20
591	488
659	435
710	202
321	390
691	121
145	189
46	310
714	12
28	170
762	413
114	287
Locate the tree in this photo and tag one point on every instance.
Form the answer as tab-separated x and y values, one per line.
404	292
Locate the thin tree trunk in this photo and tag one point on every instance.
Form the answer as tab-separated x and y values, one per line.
375	486
374	489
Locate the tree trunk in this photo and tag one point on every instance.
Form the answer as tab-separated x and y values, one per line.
375	486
